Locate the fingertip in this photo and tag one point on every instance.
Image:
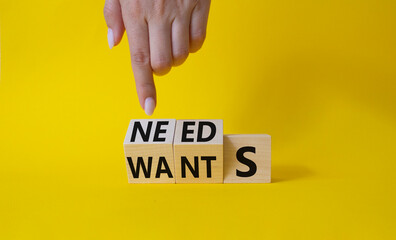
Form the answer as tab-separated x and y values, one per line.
162	70
149	106
114	22
197	39
198	24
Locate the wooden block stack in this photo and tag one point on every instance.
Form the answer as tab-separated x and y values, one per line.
148	147
194	151
198	151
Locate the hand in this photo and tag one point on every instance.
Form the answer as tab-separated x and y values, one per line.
161	34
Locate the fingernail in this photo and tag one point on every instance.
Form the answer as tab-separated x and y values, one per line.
149	106
110	38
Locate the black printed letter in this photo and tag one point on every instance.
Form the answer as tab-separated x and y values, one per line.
184	162
186	131
252	166
145	136
162	160
208	160
200	131
158	130
140	162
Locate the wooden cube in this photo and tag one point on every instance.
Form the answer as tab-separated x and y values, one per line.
247	158
198	151
149	152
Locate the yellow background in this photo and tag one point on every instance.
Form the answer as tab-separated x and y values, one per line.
319	76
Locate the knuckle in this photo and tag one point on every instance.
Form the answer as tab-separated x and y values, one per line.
194	2
136	11
197	39
133	9
159	7
145	86
161	11
140	58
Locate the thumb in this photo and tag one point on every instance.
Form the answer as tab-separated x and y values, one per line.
113	17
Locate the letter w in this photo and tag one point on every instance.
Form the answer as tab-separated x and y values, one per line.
140	162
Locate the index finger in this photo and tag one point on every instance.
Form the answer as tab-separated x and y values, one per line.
138	38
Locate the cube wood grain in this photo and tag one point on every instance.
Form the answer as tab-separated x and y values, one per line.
247	158
149	151
198	151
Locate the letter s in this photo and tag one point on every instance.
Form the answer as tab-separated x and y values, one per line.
242	159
